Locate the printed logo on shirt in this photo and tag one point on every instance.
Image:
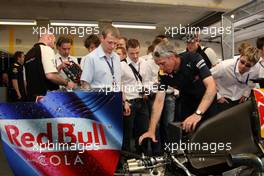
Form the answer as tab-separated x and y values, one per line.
200	64
15	70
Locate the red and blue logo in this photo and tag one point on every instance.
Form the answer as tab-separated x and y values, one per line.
65	133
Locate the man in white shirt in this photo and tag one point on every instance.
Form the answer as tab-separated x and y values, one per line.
233	76
63	57
41	72
134	76
101	67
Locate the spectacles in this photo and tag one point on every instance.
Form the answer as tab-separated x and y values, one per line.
245	63
156	54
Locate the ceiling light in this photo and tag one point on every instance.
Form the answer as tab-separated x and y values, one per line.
17	22
73	23
134	25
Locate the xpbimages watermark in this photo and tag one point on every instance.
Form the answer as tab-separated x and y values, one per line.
139	89
212	147
173	31
80	31
80	147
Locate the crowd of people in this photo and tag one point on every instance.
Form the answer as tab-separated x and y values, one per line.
157	88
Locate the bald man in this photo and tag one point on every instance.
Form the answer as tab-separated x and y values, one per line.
41	72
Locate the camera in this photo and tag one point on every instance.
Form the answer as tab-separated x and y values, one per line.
73	72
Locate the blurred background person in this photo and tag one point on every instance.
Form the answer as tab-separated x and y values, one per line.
122	41
18	78
122	53
63	57
40	67
90	43
194	46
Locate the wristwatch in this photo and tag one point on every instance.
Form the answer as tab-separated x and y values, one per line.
198	112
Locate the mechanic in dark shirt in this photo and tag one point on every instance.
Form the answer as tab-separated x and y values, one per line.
189	74
194	46
17	77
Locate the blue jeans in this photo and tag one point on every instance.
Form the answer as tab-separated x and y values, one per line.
168	115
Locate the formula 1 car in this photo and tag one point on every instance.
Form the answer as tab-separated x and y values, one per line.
233	140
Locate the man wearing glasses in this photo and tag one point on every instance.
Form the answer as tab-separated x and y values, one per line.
233	77
189	74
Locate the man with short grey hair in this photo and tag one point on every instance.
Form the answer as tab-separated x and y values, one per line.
189	74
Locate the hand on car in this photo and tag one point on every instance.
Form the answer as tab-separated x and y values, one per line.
190	123
148	134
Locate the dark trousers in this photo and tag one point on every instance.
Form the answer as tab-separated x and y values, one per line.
135	125
190	105
224	106
13	96
186	106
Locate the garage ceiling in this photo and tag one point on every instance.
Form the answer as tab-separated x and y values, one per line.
160	12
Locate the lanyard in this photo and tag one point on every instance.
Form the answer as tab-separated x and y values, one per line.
68	58
260	63
136	72
111	67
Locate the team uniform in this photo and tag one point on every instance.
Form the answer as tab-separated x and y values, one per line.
39	61
189	81
17	73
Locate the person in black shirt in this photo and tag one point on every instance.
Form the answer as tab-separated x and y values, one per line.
189	74
17	77
194	46
41	72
